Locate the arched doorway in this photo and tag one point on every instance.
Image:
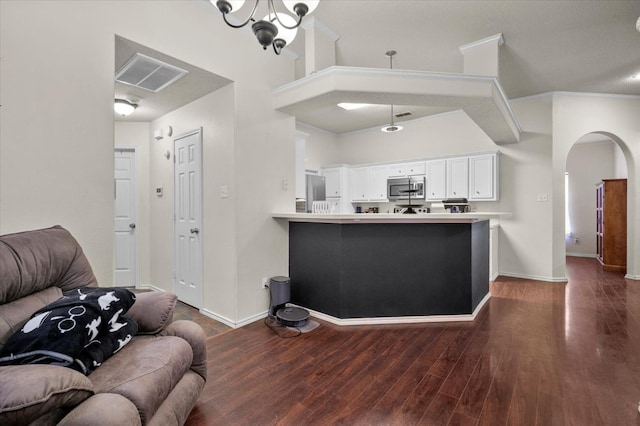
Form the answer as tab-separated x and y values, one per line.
593	158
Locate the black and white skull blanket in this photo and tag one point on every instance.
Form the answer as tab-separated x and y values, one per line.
80	330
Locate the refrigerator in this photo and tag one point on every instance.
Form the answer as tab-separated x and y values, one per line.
316	190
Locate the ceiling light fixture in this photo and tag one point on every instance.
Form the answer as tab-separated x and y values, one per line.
391	127
277	28
638	24
351	106
123	107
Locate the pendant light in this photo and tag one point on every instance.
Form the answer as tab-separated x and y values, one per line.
391	127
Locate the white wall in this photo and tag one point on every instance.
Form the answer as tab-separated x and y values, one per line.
444	134
587	165
616	117
136	135
322	147
57	134
214	114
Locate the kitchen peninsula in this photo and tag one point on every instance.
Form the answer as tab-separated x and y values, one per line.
367	268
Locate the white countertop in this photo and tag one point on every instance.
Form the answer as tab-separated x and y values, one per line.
389	217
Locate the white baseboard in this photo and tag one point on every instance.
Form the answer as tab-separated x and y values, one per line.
399	320
148	287
632	277
535	277
226	321
591	255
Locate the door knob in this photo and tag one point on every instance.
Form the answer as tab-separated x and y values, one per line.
132	225
194	230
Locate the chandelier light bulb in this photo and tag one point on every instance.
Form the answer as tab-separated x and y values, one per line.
301	8
228	6
284	33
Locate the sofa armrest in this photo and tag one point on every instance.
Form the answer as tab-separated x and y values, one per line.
28	392
152	311
194	334
104	409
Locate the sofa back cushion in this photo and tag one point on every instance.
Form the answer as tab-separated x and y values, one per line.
14	315
35	260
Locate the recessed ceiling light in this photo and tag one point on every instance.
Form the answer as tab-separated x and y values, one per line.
349	106
635	77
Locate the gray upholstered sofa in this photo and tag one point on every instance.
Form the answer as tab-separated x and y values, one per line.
155	379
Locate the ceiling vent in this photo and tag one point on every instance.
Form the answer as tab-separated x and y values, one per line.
148	73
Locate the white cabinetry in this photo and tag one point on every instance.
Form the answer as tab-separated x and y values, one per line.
406	169
378	183
436	180
458	177
333	182
415	169
369	183
336	181
483	177
397	170
360	184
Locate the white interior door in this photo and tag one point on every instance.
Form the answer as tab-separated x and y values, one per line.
188	217
125	218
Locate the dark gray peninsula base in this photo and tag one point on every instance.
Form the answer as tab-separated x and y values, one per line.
389	269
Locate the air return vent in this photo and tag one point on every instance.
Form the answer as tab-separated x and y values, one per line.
148	73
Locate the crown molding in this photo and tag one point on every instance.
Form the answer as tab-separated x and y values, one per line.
498	38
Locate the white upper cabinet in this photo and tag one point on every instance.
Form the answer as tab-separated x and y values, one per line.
397	170
483	177
458	177
333	182
360	184
416	169
406	169
436	180
378	183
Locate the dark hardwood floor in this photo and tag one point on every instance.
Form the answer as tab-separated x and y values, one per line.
538	354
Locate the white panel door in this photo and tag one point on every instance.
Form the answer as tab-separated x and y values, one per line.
125	218
188	217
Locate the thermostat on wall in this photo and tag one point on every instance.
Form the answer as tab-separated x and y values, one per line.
159	191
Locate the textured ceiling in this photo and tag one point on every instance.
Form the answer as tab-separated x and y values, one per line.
576	45
557	45
192	86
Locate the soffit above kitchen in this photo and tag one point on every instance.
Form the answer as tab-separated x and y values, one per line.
571	46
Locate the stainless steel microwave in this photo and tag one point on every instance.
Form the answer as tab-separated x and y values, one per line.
401	188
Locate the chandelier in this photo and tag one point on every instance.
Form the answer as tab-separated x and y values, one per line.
276	29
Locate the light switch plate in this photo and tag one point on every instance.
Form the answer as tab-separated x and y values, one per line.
224	191
543	197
